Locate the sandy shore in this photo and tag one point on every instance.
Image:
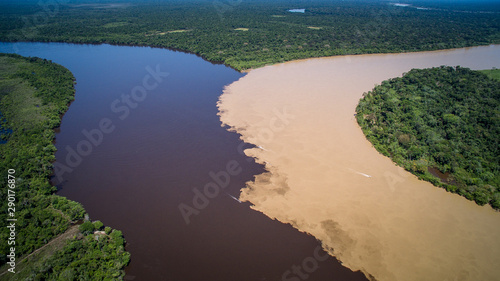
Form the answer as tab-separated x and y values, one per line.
326	179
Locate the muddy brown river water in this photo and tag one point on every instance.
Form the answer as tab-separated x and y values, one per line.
324	178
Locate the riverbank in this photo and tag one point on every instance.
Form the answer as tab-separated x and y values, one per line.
251	34
34	93
326	179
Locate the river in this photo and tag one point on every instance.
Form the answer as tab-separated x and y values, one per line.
326	179
138	146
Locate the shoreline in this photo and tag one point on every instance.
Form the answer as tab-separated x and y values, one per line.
326	179
246	70
366	54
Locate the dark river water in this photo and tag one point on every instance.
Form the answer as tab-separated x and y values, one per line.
142	148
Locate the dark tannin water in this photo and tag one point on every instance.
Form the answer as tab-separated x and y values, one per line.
142	149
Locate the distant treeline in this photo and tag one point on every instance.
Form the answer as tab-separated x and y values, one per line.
34	93
248	33
443	125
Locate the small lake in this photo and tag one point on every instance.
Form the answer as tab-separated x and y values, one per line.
142	148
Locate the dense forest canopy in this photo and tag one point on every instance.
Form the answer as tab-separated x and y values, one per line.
442	124
248	34
34	93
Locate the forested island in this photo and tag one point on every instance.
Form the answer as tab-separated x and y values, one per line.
253	33
440	124
50	241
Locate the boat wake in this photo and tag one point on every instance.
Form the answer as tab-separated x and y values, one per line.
359	173
233	197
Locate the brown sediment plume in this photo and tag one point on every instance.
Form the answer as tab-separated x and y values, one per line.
326	179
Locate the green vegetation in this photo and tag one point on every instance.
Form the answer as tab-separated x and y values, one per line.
75	256
99	256
442	124
274	35
492	73
34	93
29	263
